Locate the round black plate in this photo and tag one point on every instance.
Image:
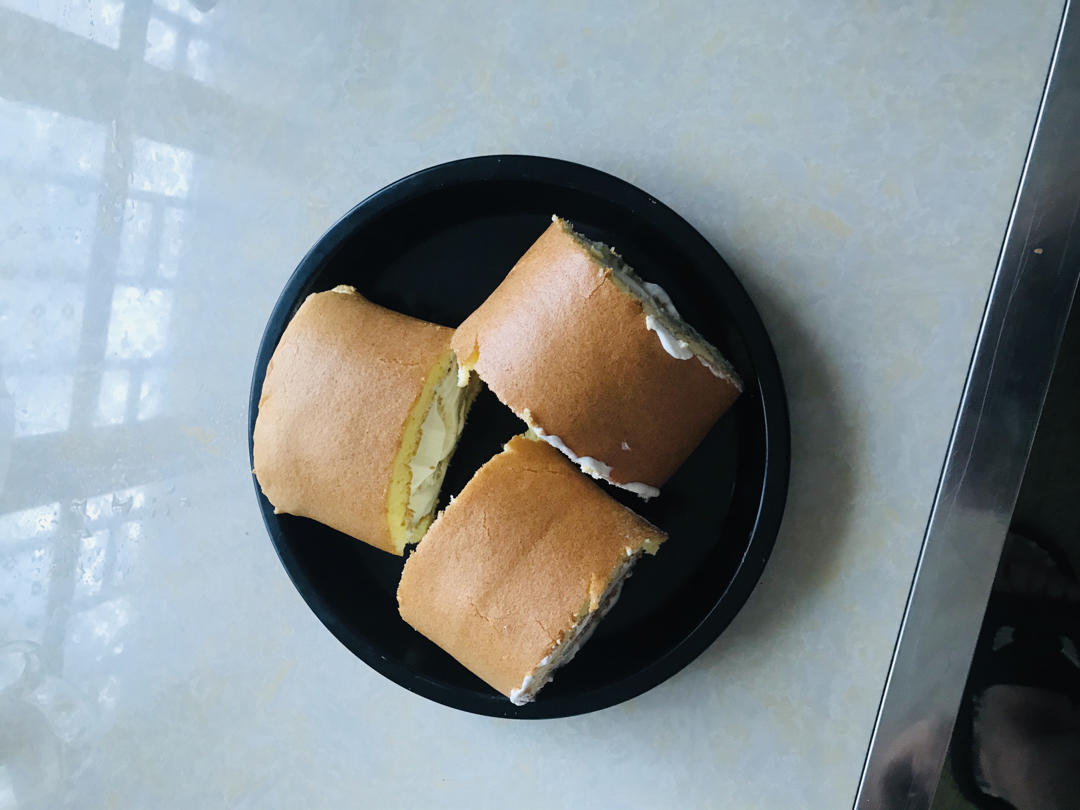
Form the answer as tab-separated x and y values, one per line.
434	245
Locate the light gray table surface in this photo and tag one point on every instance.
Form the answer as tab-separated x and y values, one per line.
162	170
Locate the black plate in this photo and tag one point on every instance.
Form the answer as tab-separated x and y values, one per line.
434	245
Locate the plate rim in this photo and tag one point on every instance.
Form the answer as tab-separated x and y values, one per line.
774	406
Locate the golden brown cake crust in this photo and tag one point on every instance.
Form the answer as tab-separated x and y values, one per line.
559	338
515	559
337	392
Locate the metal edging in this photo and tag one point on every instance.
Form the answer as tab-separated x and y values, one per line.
1014	357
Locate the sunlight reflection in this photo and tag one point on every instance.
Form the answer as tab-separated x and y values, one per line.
173	41
171	242
99	548
96	20
151	393
24	592
44	140
91	570
160	44
181	8
113	396
197	63
93	204
49	245
107	693
135	232
40	322
42	402
120	502
161	168
97	627
140	234
126	541
52	161
28	523
138	324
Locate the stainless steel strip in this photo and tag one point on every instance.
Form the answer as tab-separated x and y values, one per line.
1014	357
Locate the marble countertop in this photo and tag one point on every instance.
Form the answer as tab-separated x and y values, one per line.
164	166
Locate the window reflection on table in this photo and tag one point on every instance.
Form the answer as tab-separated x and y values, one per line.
94	251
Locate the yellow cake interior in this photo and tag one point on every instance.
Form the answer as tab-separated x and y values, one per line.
430	435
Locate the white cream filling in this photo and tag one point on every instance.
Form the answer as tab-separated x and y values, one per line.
438	435
589	465
567	647
664	319
673	345
516	694
678	338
